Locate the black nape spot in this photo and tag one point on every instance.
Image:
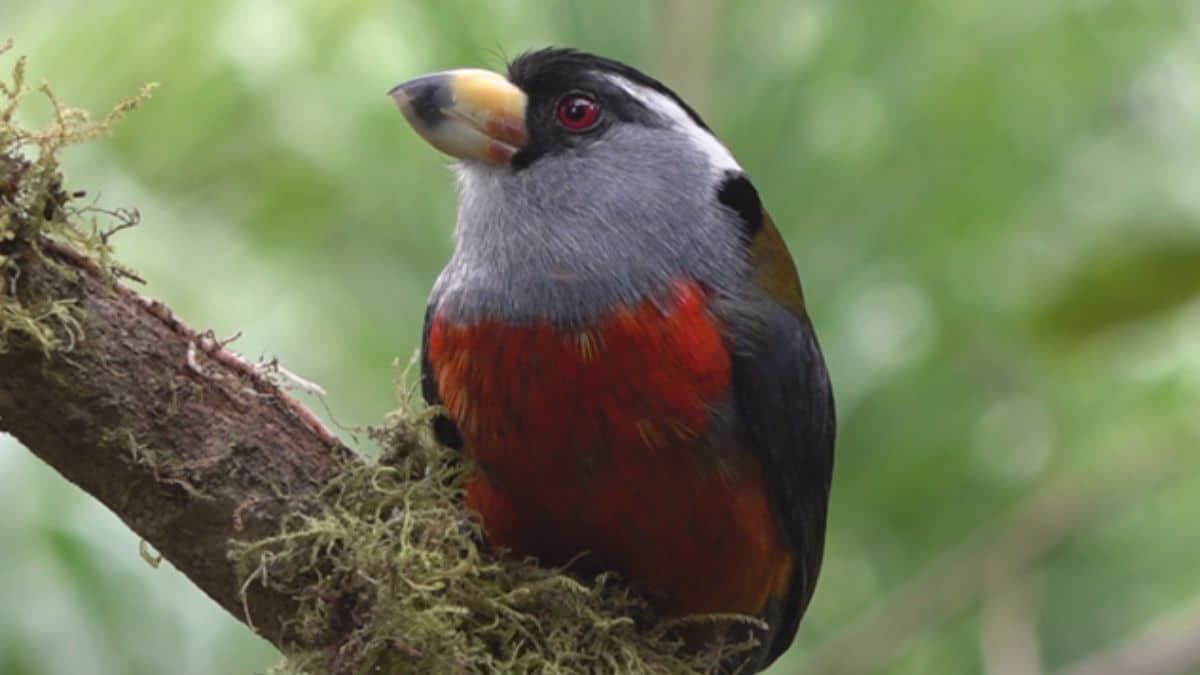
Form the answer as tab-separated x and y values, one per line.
738	193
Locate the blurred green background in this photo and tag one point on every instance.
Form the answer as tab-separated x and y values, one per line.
995	208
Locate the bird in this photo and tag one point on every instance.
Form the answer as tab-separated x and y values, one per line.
620	345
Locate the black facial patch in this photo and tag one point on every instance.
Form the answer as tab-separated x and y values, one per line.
738	193
549	74
554	63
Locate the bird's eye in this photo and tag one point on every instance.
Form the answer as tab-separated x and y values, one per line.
578	112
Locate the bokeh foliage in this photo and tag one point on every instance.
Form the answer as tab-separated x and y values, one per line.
994	206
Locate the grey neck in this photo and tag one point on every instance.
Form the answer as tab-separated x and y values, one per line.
570	238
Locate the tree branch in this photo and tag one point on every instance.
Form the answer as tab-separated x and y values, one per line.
186	443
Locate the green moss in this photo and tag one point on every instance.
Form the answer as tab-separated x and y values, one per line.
35	208
391	562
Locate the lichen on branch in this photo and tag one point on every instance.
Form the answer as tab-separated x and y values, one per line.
36	209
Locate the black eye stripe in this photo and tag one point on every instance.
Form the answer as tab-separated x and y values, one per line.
549	75
555	69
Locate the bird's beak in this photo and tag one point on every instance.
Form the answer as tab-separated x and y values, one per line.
470	114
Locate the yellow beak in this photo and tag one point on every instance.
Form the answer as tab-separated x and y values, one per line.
470	114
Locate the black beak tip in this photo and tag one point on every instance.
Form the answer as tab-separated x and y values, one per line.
426	97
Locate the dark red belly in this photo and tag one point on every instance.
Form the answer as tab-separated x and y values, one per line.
600	440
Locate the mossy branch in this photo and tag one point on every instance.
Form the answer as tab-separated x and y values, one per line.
96	380
347	566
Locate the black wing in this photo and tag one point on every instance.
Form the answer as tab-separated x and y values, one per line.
786	403
443	428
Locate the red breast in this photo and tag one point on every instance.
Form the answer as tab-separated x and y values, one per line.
603	440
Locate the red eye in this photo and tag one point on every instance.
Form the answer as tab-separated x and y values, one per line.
578	112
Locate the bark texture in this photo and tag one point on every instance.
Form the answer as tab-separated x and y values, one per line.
190	446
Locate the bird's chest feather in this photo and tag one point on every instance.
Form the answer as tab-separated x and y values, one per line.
603	439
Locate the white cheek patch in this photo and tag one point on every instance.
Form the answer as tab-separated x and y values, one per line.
718	155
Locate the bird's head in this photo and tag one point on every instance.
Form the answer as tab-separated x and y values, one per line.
554	105
581	168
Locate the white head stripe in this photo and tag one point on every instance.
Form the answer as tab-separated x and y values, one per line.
718	155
